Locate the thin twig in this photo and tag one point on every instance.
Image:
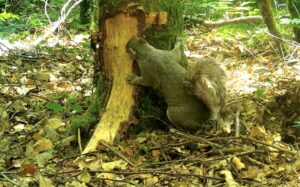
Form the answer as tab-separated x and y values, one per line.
160	173
196	138
255	161
215	146
46	11
172	162
8	179
290	42
237	124
229	150
203	160
172	145
223	138
118	154
64	13
115	180
269	145
158	119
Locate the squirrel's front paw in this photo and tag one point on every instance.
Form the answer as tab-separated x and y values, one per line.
130	78
138	80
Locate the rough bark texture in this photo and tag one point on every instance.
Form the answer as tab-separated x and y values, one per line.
267	13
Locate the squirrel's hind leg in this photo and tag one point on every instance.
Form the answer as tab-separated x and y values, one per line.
182	120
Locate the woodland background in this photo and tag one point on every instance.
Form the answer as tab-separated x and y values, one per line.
46	78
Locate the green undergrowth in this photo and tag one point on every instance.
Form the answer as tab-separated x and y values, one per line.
91	115
242	32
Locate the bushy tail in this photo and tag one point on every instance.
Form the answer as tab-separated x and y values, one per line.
208	84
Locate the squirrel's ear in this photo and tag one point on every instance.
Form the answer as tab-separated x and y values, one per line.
179	43
142	40
179	40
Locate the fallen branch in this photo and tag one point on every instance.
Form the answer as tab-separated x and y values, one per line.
211	25
120	155
5	178
269	145
215	146
201	160
64	13
154	172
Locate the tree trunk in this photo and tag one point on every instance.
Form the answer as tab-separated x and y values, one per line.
267	13
294	8
116	23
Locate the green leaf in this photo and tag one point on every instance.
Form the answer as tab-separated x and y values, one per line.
260	93
76	108
18	62
36	106
71	101
262	71
6	15
2	80
43	157
55	107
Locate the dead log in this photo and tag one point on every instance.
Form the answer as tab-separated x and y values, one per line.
211	25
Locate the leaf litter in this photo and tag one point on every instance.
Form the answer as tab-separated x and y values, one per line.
254	145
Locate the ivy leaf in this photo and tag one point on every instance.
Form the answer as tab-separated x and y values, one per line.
55	107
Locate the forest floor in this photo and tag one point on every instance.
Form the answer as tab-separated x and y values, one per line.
256	144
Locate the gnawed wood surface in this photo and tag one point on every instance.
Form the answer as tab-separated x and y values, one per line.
119	30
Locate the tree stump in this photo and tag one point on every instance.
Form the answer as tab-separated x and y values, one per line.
117	28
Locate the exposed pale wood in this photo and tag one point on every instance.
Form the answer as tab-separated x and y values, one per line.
156	18
119	30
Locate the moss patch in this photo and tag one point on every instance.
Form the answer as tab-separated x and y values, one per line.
91	115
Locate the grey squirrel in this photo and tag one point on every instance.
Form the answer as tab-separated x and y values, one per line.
193	96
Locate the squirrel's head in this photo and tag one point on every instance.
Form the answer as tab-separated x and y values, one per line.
136	45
